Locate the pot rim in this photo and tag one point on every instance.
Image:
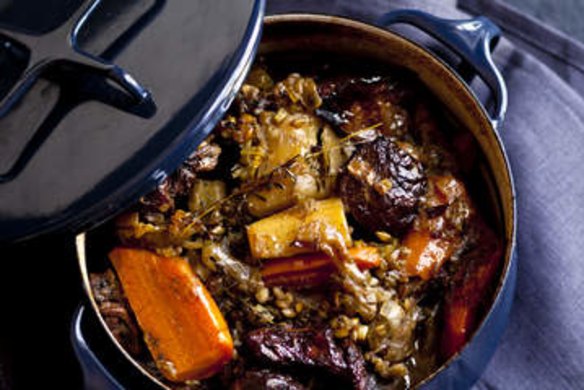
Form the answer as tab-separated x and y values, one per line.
383	33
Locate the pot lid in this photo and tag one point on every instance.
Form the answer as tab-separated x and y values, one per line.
101	100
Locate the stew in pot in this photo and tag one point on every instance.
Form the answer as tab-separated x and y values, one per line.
323	234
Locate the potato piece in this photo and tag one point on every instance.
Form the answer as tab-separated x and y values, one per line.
276	139
286	135
285	191
183	327
275	236
278	196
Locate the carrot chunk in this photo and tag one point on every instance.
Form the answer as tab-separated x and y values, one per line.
310	270
183	327
366	257
426	255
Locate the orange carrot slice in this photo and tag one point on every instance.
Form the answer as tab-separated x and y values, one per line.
426	254
183	327
309	270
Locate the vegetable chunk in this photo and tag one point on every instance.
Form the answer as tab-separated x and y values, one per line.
426	254
183	327
278	235
310	270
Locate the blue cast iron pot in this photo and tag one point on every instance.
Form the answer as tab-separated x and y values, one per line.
472	40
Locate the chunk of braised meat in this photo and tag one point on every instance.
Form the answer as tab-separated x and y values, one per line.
356	103
266	380
162	199
381	186
114	309
297	347
356	364
314	349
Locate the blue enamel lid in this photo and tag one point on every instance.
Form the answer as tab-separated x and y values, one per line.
101	100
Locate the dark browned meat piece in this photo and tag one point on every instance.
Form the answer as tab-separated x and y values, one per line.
312	349
297	347
204	159
162	199
114	309
356	364
355	103
381	186
266	380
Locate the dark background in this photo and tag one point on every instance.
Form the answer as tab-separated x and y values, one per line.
40	288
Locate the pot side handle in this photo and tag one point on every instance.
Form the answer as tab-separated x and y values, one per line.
471	39
95	375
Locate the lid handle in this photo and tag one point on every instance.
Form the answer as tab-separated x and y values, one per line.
59	46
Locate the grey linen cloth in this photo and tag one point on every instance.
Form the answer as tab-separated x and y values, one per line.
543	347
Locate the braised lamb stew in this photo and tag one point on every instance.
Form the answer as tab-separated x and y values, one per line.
331	231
